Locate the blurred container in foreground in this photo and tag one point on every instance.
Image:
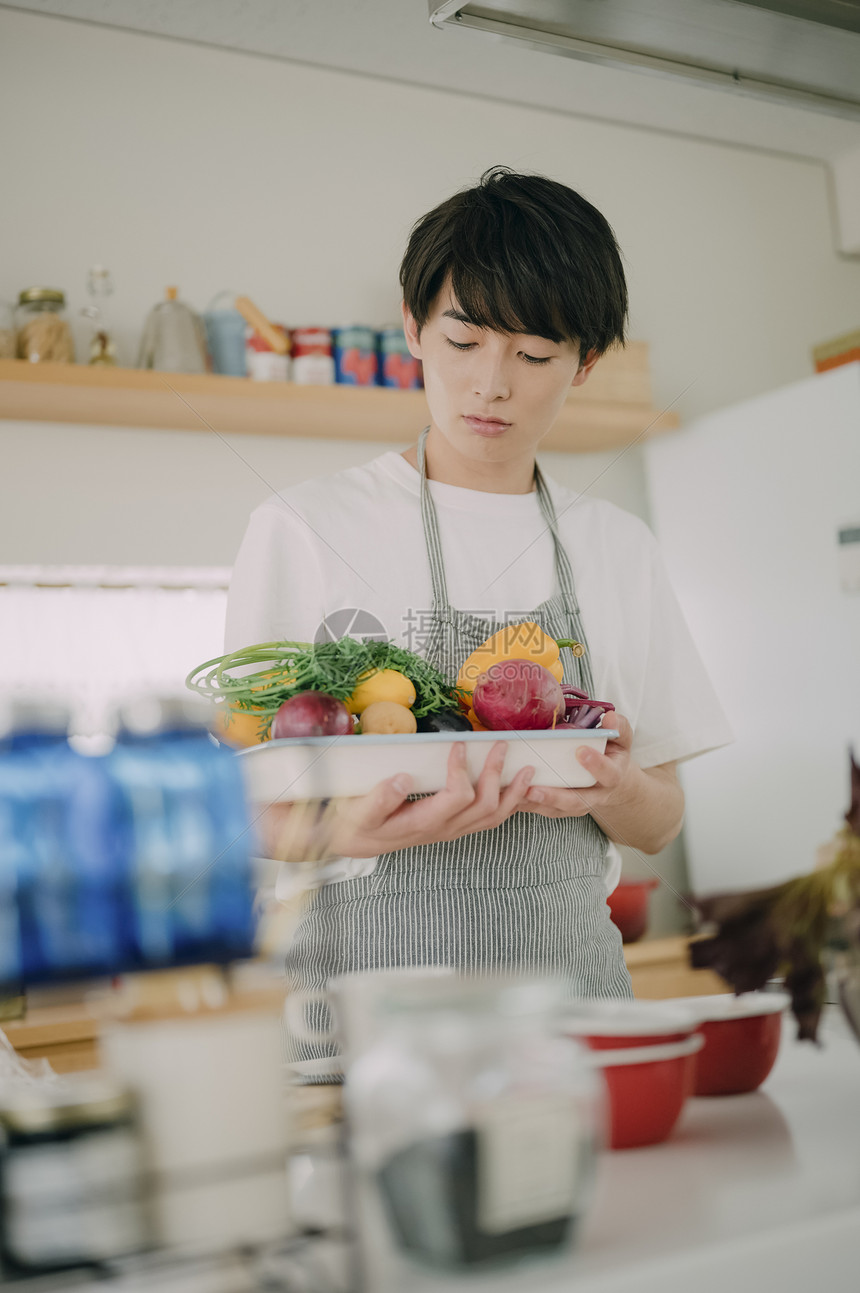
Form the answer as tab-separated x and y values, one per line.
208	1078
473	1130
71	1174
136	859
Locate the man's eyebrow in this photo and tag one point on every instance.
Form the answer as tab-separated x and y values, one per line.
464	318
458	315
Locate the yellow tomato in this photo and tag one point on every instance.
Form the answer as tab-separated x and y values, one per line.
382	685
385	717
240	727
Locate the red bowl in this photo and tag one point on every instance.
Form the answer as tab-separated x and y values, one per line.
741	1040
628	907
614	1024
646	1052
647	1087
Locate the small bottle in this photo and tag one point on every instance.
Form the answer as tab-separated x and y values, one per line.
102	347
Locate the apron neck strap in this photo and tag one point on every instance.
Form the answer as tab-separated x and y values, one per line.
441	605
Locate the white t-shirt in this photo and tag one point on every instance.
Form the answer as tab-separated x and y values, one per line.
354	540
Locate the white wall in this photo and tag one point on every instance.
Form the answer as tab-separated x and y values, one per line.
175	163
172	163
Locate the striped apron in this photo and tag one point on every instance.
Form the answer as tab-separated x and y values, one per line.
529	894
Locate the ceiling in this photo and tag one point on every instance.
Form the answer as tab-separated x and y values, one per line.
394	39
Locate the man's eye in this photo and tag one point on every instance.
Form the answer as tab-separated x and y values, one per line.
460	345
530	359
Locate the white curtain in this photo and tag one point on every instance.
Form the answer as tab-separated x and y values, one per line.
93	637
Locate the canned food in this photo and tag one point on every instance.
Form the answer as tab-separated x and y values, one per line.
313	361
355	358
262	362
397	367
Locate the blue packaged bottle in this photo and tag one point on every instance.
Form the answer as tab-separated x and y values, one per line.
186	837
59	875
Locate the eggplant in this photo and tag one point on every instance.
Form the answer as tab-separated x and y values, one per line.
444	720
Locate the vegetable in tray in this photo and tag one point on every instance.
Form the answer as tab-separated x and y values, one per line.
512	682
357	674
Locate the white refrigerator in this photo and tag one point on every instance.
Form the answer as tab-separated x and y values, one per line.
757	510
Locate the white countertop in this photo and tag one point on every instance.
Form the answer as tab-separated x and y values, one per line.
751	1192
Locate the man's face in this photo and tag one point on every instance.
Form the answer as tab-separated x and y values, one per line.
492	396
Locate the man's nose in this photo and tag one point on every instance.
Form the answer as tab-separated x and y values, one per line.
490	377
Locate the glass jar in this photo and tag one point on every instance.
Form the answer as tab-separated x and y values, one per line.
473	1130
71	1174
8	343
43	333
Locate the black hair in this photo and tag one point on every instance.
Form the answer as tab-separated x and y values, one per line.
524	254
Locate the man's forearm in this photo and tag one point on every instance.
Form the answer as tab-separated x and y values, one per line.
652	818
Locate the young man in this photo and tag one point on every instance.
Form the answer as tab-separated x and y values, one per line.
512	290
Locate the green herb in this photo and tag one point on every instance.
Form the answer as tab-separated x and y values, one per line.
262	677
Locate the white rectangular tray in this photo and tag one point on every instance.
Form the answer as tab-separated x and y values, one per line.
322	767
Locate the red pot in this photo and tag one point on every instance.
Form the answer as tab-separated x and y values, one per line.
741	1040
615	1025
628	906
647	1088
646	1053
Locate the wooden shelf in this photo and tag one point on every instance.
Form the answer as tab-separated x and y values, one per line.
68	1036
616	410
660	968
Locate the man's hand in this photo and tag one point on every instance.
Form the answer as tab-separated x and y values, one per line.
640	808
384	821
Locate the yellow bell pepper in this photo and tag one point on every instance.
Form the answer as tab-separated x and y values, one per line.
517	642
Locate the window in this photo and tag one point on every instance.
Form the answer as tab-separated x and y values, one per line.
94	636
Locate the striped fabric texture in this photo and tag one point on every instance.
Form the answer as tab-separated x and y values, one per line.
529	895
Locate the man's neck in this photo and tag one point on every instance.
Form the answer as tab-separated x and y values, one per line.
446	465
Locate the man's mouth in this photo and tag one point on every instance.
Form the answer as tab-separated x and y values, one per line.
485	426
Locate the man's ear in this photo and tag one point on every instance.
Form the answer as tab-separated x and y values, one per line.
585	368
410	328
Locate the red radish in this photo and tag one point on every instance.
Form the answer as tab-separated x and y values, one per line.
518	695
312	713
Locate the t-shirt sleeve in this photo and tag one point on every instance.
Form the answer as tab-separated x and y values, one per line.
276	590
680	714
277	593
